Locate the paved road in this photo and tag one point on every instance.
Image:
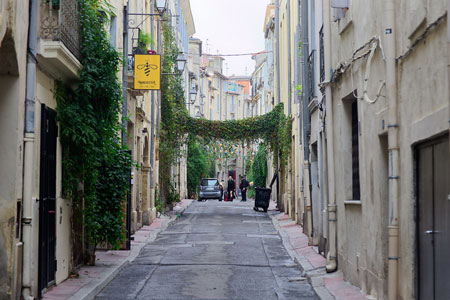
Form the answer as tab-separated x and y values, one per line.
216	250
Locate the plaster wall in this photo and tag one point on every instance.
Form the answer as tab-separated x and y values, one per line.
13	42
423	110
422	80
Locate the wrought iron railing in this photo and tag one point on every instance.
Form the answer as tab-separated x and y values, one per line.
311	67
322	56
61	22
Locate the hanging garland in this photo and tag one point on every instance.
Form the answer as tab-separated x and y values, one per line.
274	129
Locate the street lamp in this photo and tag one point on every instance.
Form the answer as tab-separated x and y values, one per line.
161	6
181	62
193	95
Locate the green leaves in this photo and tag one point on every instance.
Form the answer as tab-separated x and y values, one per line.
89	122
273	128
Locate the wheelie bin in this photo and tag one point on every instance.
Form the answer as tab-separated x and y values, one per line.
262	198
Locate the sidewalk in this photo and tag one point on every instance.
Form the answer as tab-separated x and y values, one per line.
92	279
327	286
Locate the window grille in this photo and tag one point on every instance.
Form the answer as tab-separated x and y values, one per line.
322	55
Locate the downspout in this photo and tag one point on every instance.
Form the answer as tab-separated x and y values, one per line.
159	93
291	205
125	76
289	57
393	128
220	100
29	223
277	46
307	92
152	118
448	56
331	265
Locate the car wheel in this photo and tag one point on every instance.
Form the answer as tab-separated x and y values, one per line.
265	209
200	199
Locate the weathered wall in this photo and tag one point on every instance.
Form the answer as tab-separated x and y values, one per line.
422	79
13	42
423	111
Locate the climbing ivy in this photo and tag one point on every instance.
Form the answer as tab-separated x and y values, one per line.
95	166
172	105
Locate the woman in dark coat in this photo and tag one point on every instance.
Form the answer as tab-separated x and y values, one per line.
231	188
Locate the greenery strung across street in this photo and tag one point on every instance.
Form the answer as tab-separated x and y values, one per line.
95	166
273	128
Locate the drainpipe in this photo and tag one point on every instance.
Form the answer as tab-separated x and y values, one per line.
393	128
332	208
277	46
290	209
289	56
152	118
307	92
125	75
448	56
30	223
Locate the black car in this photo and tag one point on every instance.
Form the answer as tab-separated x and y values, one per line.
209	189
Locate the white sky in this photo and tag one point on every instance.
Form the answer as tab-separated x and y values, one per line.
231	26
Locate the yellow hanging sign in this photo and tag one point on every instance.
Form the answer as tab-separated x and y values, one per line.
147	72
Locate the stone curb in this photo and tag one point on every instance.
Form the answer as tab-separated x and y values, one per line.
313	275
89	291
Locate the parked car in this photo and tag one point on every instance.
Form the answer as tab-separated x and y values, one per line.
209	189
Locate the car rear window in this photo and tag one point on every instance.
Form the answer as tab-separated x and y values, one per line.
210	182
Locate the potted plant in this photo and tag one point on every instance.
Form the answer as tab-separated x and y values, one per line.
144	42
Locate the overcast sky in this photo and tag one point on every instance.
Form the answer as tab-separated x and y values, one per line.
231	26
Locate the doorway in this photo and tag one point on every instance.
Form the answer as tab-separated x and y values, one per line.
433	212
47	199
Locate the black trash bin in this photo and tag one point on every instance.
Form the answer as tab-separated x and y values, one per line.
262	198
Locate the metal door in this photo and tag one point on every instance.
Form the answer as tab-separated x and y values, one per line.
47	199
434	219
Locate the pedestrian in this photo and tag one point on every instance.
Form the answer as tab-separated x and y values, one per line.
231	188
243	186
221	190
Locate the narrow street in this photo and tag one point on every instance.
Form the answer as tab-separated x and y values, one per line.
216	250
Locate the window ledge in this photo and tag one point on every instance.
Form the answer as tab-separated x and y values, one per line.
352	202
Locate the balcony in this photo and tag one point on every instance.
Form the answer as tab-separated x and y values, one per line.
59	43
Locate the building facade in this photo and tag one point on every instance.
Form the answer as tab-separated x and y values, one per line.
369	172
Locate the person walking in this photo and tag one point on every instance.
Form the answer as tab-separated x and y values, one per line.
243	186
221	190
231	188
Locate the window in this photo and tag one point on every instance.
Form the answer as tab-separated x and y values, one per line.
113	31
218	103
322	55
311	73
356	191
209	182
233	109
